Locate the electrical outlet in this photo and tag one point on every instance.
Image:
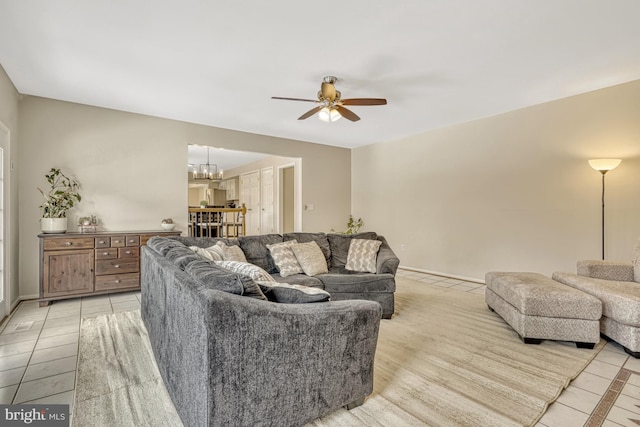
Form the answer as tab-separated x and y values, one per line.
308	207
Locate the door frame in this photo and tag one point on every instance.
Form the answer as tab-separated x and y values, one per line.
297	194
5	145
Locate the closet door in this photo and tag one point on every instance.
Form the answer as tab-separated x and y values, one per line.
250	196
266	201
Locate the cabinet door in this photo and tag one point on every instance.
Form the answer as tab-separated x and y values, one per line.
67	272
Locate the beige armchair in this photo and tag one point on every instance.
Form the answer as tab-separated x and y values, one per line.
617	285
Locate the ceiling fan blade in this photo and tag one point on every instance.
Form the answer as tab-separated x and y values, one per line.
294	99
310	112
347	114
364	101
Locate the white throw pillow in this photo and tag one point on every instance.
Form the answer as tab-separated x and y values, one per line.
284	258
246	269
362	255
310	258
231	253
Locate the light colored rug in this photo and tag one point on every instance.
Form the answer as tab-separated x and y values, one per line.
443	360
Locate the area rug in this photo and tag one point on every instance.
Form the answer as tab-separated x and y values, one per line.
443	360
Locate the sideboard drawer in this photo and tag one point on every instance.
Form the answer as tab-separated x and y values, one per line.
117	281
117	242
128	252
132	241
117	266
108	253
68	243
103	242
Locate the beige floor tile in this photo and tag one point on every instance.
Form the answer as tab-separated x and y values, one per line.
16	348
631	390
633	364
629	403
579	399
623	417
65	398
602	369
126	296
53	353
63	321
592	383
63	313
559	415
59	330
614	346
7	394
65	304
97	313
612	357
23	326
15	361
57	340
48	386
47	369
11	376
634	379
19	337
95	309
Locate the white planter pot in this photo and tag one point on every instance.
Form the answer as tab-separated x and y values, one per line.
53	225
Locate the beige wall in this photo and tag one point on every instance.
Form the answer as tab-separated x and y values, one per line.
9	99
132	169
510	192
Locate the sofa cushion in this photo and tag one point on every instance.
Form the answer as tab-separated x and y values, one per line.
284	258
255	249
299	279
310	258
204	241
181	256
319	238
339	244
162	244
362	255
246	269
231	252
357	282
286	293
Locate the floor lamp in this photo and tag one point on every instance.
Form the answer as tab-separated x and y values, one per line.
604	166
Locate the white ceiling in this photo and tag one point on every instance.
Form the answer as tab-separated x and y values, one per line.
224	159
218	63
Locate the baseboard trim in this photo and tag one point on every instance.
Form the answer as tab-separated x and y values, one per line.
439	273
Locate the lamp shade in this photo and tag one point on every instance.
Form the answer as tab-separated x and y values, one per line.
329	114
604	165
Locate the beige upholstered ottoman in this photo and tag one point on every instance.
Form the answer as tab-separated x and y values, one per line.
539	308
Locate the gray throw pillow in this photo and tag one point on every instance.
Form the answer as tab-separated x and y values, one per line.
162	244
340	245
246	269
213	277
285	293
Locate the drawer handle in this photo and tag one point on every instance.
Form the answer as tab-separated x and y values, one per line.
117	241
116	266
69	243
117	280
101	242
128	252
105	253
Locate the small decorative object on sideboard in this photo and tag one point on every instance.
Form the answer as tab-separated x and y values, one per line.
203	203
61	197
88	224
167	224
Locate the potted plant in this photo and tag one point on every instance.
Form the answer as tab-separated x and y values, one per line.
62	195
203	203
167	224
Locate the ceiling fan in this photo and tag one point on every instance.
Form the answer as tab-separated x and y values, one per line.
331	106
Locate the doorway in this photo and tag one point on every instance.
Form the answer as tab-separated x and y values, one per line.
287	205
4	202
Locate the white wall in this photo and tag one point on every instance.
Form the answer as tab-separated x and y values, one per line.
9	99
132	169
510	192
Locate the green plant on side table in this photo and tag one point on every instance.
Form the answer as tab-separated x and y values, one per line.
62	196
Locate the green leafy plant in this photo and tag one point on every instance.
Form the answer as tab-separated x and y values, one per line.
353	226
62	195
204	202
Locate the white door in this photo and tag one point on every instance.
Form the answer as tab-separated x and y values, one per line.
266	201
4	293
250	196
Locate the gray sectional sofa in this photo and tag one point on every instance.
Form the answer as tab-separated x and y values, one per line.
341	283
229	357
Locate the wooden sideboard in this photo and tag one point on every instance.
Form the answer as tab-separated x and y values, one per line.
81	264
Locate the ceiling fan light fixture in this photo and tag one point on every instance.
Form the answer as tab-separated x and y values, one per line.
329	114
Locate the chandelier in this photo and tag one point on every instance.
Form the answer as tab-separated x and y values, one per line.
208	171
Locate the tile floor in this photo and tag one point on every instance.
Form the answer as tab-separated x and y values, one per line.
39	348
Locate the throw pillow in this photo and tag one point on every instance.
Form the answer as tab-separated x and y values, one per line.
362	255
230	253
214	277
310	258
285	293
246	269
212	253
284	258
181	256
162	244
